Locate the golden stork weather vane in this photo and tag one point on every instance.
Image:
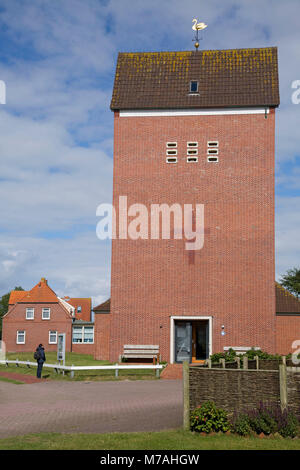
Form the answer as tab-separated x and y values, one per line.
197	27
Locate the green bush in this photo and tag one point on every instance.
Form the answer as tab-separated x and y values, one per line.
266	418
208	418
241	425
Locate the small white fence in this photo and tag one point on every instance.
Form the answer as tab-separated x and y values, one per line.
72	369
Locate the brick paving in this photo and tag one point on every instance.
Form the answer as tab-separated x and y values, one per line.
26	379
90	407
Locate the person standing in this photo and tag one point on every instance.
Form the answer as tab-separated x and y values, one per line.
41	358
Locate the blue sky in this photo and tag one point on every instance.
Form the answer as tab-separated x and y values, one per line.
57	59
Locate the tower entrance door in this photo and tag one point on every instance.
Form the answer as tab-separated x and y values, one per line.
191	340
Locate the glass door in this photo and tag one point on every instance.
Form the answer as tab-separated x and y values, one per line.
183	341
200	341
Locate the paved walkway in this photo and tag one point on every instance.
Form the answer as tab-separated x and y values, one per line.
90	407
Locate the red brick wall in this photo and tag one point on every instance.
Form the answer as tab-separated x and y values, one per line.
232	277
83	348
37	330
102	336
287	331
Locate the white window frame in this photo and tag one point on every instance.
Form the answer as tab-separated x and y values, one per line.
17	340
192	151
193	91
82	334
52	332
212	151
27	310
192	145
171	145
192	159
215	159
213	143
171	159
46	308
171	152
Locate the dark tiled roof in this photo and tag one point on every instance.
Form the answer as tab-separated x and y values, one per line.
104	307
286	302
227	78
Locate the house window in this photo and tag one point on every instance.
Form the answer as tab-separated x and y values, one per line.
193	86
192	159
212	159
29	313
21	336
46	314
83	334
79	309
52	337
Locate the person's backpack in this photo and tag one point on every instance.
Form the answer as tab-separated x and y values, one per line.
37	355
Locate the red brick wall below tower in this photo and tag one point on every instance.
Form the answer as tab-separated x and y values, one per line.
287	331
231	279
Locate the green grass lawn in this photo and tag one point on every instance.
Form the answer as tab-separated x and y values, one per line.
76	360
167	440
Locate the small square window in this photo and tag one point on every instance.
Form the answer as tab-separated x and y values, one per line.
21	337
193	86
46	314
29	313
52	337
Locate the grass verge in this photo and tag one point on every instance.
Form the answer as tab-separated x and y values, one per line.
166	440
75	359
12	381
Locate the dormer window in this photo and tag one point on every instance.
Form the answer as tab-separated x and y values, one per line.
194	86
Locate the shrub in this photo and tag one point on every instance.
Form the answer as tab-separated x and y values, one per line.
229	356
267	418
208	418
241	424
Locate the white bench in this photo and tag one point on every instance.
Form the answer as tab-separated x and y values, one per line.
140	351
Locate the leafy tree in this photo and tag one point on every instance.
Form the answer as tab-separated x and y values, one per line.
4	306
291	281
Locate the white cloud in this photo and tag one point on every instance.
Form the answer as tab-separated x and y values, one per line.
56	131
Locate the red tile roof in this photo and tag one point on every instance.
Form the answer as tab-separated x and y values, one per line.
226	78
15	296
41	293
84	303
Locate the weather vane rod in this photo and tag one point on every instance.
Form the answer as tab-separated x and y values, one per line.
197	27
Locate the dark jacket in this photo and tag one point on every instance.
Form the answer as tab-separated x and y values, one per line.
41	352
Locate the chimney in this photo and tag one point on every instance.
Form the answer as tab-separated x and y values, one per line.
44	280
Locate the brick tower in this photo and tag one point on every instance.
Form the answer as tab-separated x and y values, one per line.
196	128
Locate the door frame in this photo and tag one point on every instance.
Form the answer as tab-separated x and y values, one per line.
188	318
